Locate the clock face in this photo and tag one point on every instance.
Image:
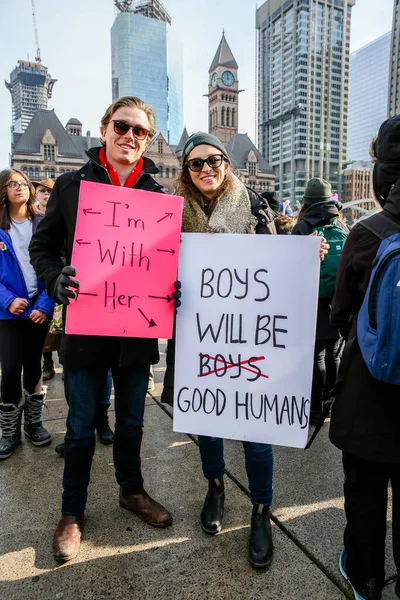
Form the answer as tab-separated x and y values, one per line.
214	80
228	78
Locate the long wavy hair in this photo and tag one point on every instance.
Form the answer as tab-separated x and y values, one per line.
185	187
5	219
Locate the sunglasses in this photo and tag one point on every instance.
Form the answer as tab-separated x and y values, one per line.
122	128
214	161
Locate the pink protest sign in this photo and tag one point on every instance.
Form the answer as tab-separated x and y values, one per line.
126	253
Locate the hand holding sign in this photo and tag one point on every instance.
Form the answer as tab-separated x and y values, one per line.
63	282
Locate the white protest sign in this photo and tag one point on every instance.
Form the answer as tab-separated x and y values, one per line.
245	336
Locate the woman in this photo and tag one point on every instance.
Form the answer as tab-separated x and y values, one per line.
24	317
319	210
366	413
217	202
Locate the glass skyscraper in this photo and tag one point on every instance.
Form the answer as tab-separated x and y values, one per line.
368	96
303	68
146	60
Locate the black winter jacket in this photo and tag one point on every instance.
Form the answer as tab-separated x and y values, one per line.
318	214
56	232
365	417
263	212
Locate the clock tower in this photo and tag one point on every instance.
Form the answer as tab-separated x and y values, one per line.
223	94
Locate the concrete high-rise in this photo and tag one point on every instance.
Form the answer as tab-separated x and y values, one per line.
146	61
30	86
303	78
368	96
394	75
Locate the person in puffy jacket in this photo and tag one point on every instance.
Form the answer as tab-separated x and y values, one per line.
25	311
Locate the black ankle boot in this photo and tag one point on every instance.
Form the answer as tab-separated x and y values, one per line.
213	509
104	430
261	548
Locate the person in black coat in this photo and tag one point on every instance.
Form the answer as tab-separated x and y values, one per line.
366	414
127	127
319	209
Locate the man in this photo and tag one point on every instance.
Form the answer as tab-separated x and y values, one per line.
126	129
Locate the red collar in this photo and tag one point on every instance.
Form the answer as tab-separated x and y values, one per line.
133	177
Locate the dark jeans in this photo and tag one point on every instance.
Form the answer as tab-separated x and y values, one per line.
366	494
21	345
259	465
84	390
326	367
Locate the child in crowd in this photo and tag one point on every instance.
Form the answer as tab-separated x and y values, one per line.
25	310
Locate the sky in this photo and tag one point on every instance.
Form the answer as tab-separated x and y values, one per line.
74	40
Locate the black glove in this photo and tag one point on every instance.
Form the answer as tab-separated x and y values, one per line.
177	295
63	282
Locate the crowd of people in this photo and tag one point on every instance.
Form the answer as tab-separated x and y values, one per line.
37	280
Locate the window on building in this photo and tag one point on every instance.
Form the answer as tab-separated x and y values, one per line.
233	117
228	116
62	171
52	173
252	168
173	173
49	152
160	147
47	173
30	172
25	171
223	116
167	173
36	172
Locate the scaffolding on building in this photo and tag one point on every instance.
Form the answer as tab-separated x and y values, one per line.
148	8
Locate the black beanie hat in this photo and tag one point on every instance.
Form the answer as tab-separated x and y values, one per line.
272	200
386	158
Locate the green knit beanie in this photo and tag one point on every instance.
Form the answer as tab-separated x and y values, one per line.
201	138
317	190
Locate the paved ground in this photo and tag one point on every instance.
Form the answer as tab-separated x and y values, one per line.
122	558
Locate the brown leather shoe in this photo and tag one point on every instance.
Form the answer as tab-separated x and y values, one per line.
146	508
67	538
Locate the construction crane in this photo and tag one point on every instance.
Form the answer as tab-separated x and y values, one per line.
37	58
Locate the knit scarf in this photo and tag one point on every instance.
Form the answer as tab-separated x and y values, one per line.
231	215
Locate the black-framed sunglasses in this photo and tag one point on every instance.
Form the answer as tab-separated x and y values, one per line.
122	128
214	161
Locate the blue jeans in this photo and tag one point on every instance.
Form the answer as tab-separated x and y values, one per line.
105	397
84	389
259	465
